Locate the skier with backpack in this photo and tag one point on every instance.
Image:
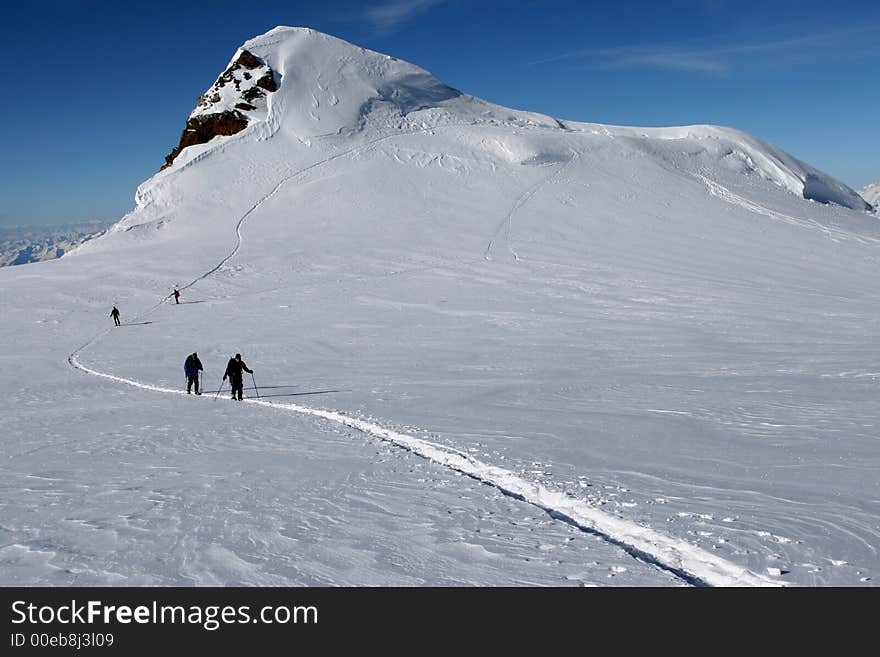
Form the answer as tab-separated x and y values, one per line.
192	366
234	371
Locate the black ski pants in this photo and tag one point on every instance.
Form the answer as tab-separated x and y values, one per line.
237	383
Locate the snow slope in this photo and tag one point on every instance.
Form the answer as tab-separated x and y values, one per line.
492	347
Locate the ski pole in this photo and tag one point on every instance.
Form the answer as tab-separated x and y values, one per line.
220	388
255	385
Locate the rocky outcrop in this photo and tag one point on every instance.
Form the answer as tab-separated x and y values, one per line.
253	94
267	82
203	128
237	97
248	60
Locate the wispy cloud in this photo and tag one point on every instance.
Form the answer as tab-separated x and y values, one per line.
670	60
715	61
388	16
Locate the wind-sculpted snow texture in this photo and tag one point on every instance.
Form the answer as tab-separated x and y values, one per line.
492	348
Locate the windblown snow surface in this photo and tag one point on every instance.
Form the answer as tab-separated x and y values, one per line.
492	348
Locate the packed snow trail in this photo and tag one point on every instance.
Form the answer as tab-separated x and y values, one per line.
688	562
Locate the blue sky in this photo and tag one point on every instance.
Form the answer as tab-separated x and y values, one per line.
96	92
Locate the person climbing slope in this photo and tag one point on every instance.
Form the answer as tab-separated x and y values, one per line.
176	295
234	371
192	367
115	315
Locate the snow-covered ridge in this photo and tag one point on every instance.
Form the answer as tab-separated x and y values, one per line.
744	153
328	86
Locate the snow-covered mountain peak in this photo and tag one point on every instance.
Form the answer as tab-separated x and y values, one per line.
871	194
297	85
325	86
330	86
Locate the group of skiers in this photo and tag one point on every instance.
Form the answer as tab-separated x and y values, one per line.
234	372
192	365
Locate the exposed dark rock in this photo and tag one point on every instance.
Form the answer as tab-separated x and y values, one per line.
203	128
225	77
248	60
253	93
205	99
245	106
267	82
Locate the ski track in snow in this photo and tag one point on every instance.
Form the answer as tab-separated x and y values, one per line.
519	203
690	563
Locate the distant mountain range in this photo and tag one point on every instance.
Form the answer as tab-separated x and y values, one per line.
20	245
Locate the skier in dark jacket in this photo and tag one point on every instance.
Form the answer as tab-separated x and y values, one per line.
192	367
176	295
115	315
233	371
